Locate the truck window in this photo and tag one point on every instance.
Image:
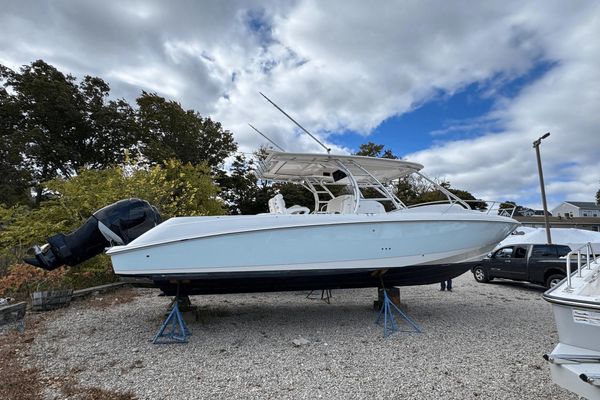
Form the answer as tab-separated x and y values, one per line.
563	250
520	252
544	251
505	252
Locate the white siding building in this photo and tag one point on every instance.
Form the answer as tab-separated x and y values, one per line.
571	209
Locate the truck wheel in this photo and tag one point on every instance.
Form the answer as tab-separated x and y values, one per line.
480	275
553	280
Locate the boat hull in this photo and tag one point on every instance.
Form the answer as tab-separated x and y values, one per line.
577	315
221	255
578	325
569	376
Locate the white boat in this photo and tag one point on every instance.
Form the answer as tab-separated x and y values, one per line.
575	361
346	240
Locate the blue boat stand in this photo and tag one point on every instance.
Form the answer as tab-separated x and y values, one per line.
387	311
174	329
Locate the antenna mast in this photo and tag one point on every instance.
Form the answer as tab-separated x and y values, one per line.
265	136
294	121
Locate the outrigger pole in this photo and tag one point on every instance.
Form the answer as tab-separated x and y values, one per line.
265	136
294	121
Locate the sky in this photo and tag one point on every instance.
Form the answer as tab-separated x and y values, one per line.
462	87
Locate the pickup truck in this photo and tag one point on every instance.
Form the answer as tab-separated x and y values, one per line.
536	263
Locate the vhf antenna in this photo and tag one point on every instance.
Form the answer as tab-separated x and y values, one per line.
294	121
265	136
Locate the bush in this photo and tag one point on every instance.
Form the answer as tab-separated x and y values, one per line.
174	188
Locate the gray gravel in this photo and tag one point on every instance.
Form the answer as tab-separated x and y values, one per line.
480	341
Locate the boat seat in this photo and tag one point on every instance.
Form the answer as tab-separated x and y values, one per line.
277	206
345	205
296	209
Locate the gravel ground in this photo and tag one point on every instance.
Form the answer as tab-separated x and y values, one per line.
480	341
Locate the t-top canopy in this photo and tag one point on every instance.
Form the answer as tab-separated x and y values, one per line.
295	167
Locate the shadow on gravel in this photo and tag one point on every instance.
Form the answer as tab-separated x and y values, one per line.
521	286
319	316
108	300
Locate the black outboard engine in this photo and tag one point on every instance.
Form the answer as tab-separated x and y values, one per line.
118	223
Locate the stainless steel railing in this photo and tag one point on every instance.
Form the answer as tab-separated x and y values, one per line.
589	250
491	206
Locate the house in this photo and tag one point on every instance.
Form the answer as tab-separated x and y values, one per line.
569	214
573	209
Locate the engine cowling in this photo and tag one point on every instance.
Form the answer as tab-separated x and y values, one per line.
117	223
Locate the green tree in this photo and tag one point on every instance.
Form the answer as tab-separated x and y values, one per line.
57	126
168	131
241	189
406	190
14	179
371	149
432	194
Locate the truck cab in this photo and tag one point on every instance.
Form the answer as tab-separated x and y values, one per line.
536	263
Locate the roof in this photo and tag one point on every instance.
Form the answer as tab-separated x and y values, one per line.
283	166
590	205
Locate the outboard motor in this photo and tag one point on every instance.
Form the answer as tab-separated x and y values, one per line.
118	223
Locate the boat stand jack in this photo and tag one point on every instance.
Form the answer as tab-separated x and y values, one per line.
325	295
174	329
389	321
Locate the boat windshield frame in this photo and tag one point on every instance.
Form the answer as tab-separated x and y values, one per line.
315	172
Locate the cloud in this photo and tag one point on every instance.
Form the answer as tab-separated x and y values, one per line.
339	67
563	101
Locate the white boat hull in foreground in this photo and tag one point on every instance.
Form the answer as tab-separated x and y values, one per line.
575	362
264	252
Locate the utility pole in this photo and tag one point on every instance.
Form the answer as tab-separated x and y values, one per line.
536	145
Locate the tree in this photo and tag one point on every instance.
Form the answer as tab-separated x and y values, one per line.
371	149
406	190
432	194
168	131
51	126
61	126
241	190
14	179
598	197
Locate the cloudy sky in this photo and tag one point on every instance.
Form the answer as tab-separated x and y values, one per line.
463	87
